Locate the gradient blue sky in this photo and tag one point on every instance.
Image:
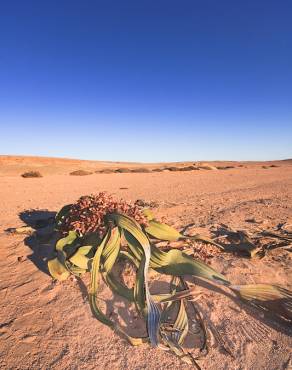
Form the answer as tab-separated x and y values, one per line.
146	80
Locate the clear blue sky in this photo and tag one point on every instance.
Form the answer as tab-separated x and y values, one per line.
146	80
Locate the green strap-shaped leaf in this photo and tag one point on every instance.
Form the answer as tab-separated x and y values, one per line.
179	351
175	262
272	297
134	245
95	283
137	256
148	214
75	270
181	324
93	294
153	313
67	241
111	250
174	335
109	256
58	267
139	291
163	231
79	260
171	297
58	270
129	256
175	300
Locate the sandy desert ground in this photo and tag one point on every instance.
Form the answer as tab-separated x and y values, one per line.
49	325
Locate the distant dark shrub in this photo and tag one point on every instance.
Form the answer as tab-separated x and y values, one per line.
140	170
106	170
172	169
157	170
123	170
273	166
80	173
32	174
224	167
188	168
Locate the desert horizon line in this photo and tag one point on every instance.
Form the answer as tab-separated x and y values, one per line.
138	162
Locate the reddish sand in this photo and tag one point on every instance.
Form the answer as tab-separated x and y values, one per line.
46	325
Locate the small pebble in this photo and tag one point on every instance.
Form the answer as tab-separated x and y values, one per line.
21	258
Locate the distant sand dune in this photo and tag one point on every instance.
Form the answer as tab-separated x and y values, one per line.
16	165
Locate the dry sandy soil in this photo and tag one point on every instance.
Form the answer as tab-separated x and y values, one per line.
49	325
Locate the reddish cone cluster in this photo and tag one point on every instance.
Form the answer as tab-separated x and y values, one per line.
87	215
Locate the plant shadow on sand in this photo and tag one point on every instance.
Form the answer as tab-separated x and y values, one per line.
42	240
42	243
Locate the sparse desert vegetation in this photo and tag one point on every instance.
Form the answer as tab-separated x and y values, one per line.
32	174
189	168
80	173
123	170
16	166
106	170
157	170
141	170
225	167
